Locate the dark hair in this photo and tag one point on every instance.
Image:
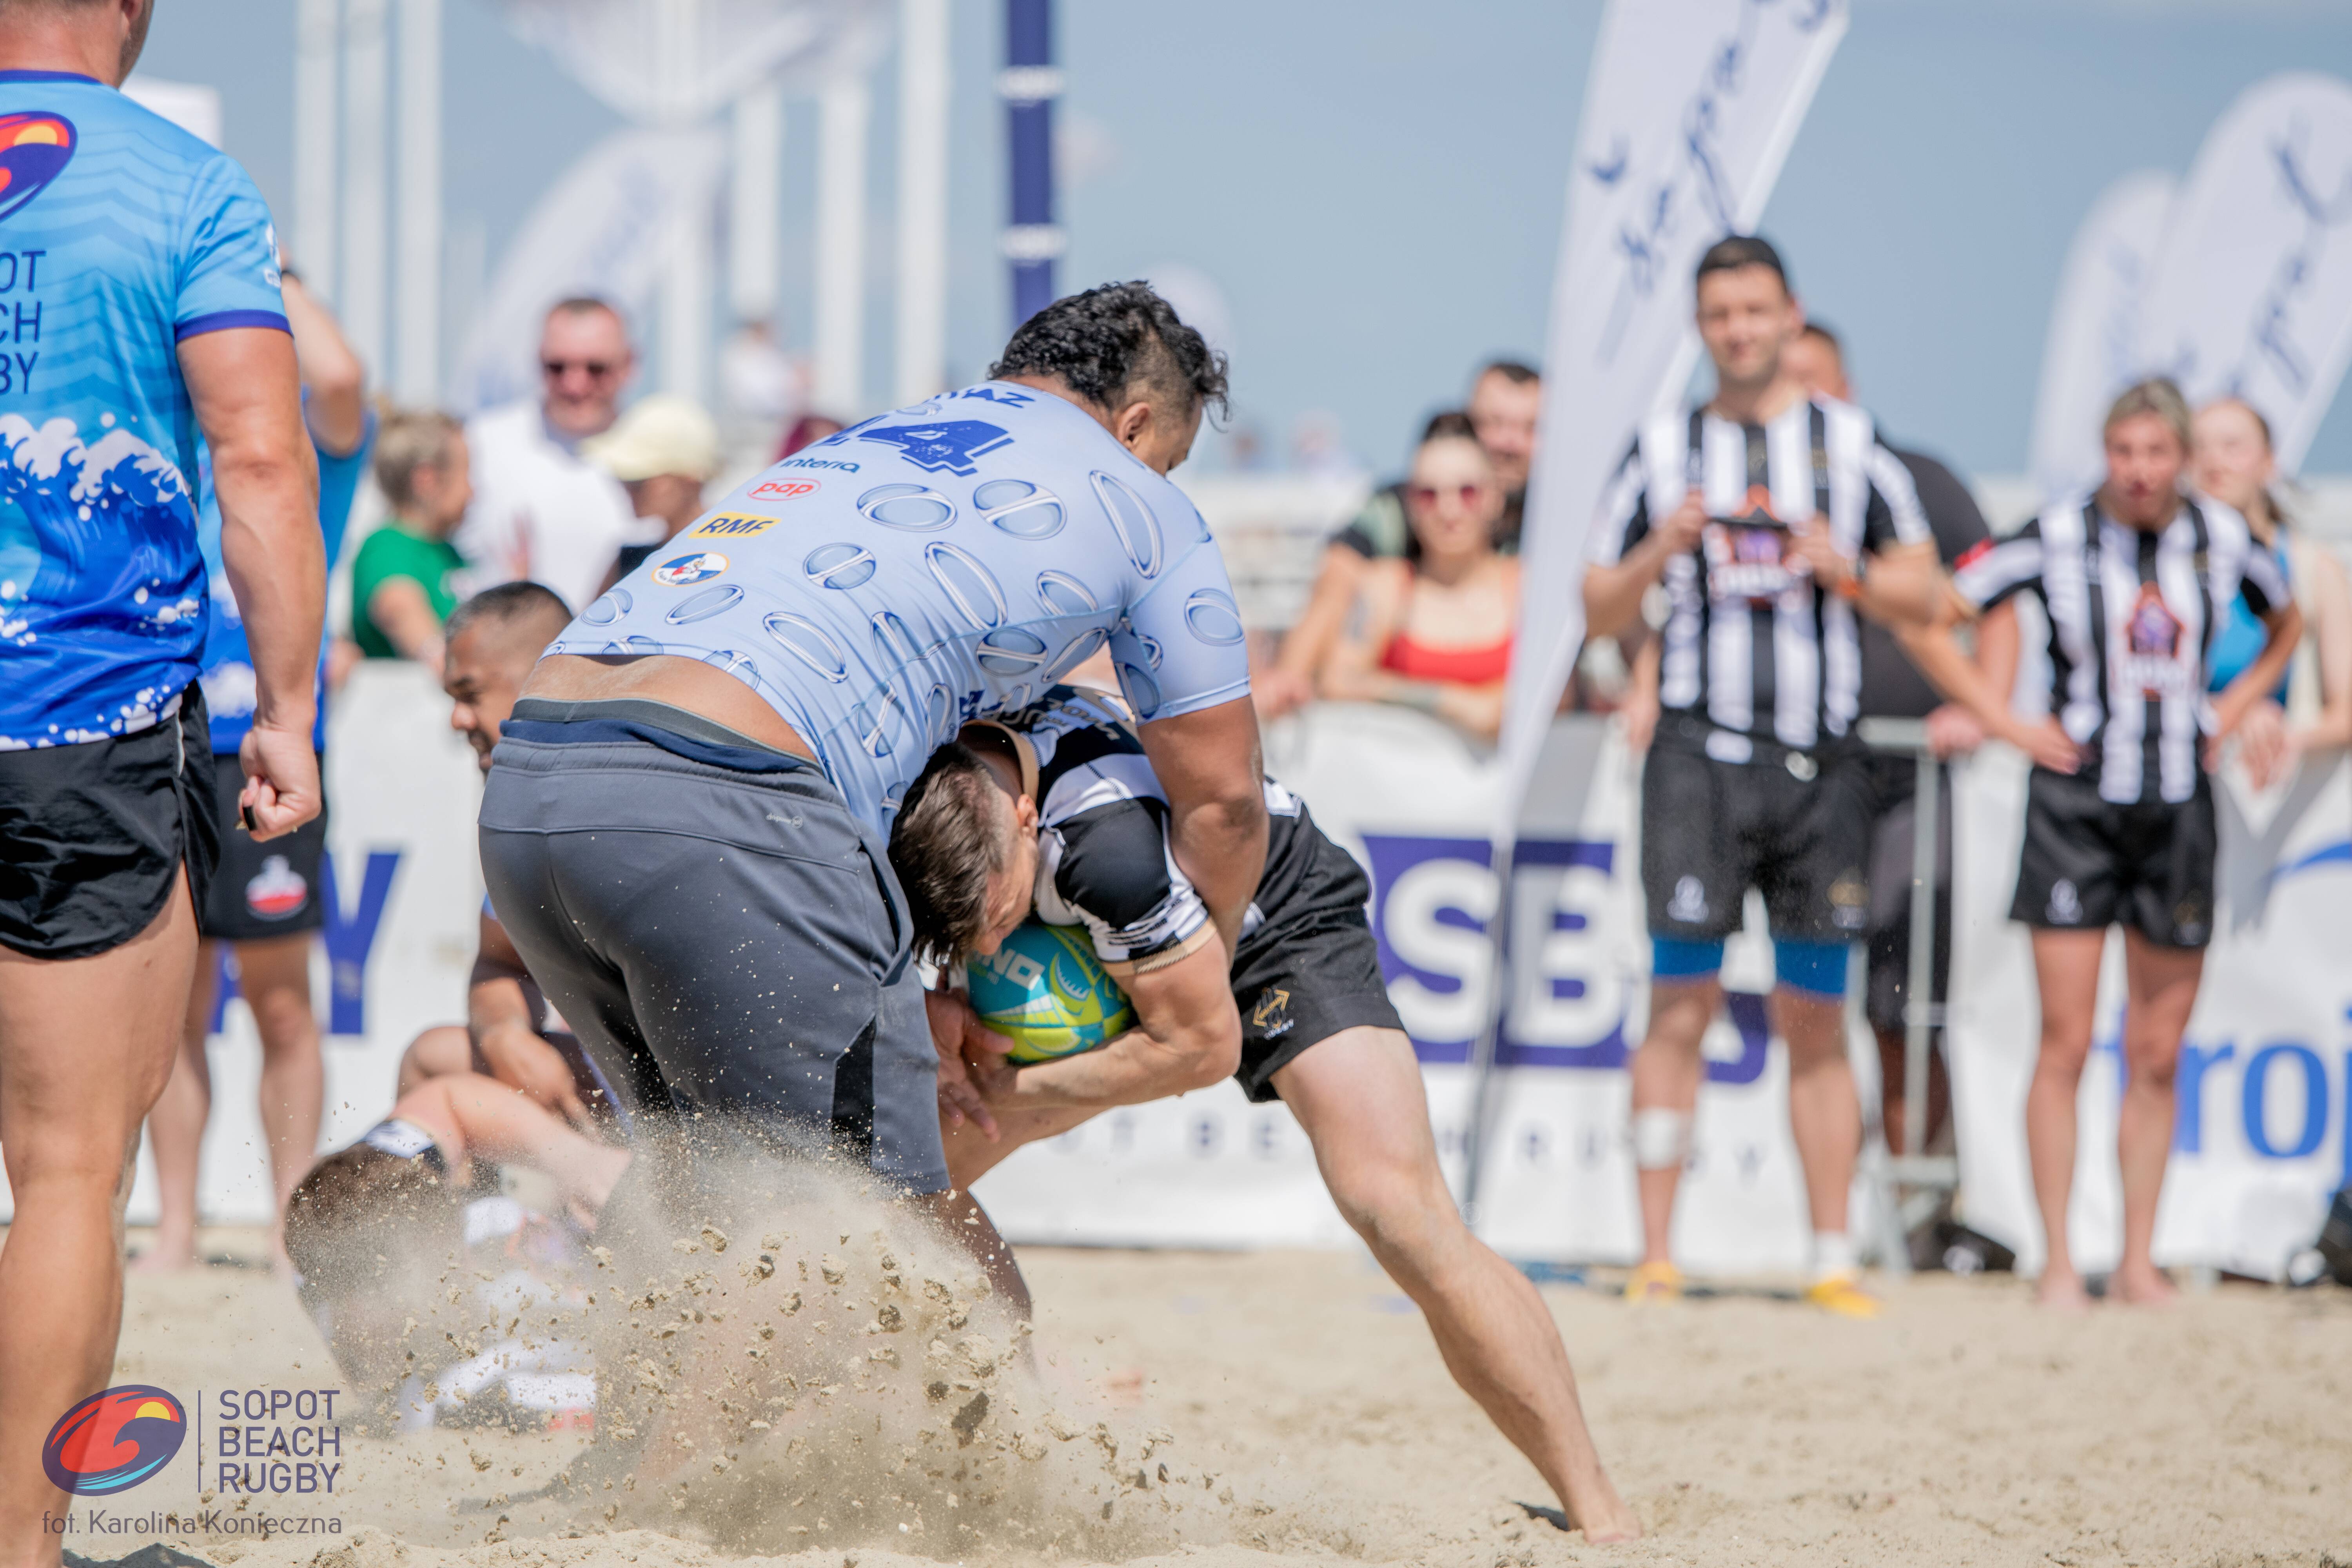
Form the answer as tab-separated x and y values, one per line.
1517	372
507	604
1107	340
355	1192
945	846
588	305
1735	251
1450	425
1815	329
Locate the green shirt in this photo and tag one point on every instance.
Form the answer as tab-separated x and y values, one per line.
393	552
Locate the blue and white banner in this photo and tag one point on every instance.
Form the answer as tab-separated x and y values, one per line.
2252	294
2093	350
1689	110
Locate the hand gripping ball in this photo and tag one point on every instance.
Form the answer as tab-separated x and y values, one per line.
1043	990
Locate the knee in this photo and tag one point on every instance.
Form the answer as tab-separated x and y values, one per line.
1400	1208
2153	1063
436	1053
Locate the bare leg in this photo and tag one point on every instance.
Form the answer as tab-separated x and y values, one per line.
1358	1095
175	1128
436	1053
2162	983
2066	965
275	976
971	1155
1824	1111
86	1046
1667	1074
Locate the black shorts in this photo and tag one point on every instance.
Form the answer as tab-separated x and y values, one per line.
263	887
1712	829
93	836
1311	969
2090	863
726	943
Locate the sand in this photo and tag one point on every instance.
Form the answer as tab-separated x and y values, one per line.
1965	1427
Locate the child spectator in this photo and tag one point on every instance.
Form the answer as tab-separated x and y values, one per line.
404	579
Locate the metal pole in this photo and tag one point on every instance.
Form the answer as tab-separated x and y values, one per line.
842	107
1029	84
317	25
1918	1002
924	84
420	202
1487	1050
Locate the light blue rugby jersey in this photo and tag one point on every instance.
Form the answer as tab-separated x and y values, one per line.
933	565
120	235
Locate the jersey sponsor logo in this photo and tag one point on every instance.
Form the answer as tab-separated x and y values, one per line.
1003	394
2153	636
34	151
1748	559
729	525
686	569
1268	1016
277	890
835	466
784	490
943	445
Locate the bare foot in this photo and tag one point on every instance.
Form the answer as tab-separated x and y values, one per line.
2143	1285
1616	1524
165	1258
2061	1290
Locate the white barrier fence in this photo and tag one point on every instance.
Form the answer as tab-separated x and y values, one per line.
2266	1080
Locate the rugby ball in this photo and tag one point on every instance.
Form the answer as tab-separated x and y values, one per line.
1045	991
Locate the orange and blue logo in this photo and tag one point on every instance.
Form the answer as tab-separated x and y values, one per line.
113	1440
34	150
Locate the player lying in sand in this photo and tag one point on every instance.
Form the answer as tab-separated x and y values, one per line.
1057	809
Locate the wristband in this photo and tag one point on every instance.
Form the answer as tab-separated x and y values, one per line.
1849	587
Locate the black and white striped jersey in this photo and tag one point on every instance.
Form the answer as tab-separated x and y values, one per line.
1751	643
2132	615
1104	861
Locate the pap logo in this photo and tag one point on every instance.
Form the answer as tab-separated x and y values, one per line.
782	490
113	1440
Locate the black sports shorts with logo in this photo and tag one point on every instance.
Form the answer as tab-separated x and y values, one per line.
264	888
1313	967
92	836
1795	826
2090	863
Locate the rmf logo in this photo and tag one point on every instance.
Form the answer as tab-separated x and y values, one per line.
114	1440
782	490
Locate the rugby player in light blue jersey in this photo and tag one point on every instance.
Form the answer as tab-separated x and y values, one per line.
140	290
684	827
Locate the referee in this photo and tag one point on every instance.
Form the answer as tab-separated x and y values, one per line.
1773	520
156	310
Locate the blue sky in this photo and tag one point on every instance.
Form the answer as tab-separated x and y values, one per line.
1375	186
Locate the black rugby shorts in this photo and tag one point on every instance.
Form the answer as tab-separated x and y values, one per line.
1312	968
263	887
2089	863
1713	829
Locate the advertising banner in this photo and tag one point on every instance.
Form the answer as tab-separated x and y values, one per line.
2092	350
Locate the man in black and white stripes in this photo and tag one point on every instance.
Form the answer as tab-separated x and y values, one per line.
2119	818
1770	519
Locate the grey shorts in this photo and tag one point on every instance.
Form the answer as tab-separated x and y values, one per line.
729	944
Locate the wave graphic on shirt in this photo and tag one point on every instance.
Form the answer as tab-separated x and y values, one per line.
114	579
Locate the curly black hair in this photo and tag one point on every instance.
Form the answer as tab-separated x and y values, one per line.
1107	340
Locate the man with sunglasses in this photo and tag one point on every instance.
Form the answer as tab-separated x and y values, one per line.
540	510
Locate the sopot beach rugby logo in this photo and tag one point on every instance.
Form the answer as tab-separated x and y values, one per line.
114	1440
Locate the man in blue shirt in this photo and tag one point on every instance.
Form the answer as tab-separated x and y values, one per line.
139	275
266	897
684	827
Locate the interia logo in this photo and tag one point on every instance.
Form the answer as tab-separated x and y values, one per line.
113	1440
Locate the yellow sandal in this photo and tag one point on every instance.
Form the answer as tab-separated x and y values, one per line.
1655	1283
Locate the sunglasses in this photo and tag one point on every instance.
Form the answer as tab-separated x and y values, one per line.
1430	495
597	368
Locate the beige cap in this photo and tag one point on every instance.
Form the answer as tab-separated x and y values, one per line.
661	434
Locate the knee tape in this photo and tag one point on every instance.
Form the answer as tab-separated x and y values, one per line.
1660	1139
1817	968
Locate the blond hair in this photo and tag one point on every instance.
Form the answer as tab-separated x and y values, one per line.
2159	396
410	440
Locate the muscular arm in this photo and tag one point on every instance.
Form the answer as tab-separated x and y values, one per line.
1209	766
247	399
1905	586
337	383
1189	1036
499	1017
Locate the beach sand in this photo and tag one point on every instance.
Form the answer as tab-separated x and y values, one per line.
1302	1414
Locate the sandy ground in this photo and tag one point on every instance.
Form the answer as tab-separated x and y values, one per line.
1965	1427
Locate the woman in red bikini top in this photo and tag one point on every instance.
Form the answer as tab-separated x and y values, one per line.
1425	633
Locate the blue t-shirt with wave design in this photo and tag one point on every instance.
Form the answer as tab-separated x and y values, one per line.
935	564
121	235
